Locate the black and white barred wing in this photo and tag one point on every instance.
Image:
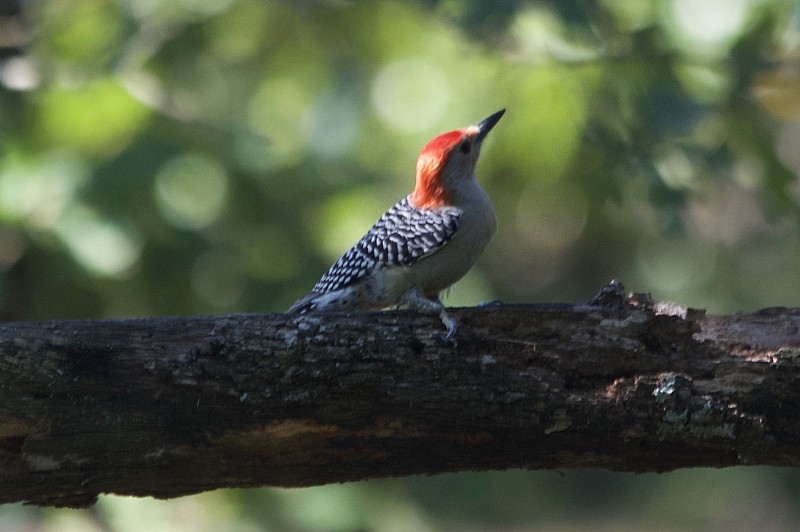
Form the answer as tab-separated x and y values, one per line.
402	236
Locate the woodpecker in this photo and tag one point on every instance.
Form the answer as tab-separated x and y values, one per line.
422	245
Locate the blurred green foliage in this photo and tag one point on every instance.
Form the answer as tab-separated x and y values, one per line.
184	157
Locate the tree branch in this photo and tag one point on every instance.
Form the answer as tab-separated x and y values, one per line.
172	406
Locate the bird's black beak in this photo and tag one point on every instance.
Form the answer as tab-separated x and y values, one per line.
486	125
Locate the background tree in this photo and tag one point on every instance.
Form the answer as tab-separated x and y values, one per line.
191	157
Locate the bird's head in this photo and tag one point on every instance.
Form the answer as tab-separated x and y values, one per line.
448	159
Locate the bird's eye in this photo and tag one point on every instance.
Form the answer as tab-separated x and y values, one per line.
465	147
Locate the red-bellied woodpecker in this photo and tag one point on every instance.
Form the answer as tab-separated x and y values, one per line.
422	245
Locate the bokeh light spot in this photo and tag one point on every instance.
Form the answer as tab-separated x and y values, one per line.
551	219
411	95
669	266
191	191
706	83
79	30
277	112
547	123
20	73
675	168
708	27
632	15
102	247
36	192
99	118
333	126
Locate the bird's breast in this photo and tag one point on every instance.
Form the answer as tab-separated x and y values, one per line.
476	226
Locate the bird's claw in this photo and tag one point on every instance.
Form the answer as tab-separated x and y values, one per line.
451	325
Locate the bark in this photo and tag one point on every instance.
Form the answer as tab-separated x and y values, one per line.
173	406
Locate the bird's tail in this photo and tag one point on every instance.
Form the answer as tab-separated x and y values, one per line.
307	303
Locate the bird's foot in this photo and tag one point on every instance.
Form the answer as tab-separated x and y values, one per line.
449	322
415	300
